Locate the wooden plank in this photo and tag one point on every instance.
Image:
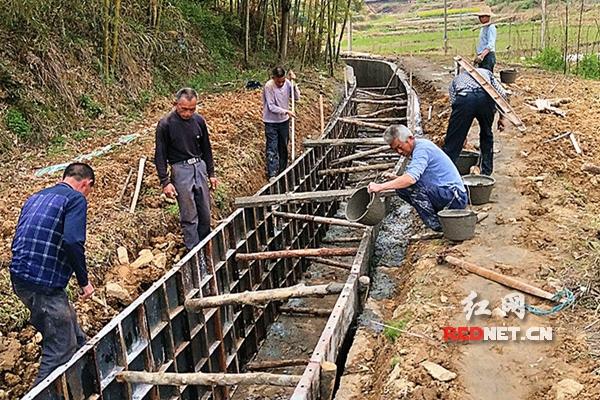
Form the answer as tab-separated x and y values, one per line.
316	312
138	184
382	111
380	102
331	263
504	106
344	142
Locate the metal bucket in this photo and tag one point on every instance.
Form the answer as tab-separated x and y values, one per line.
480	188
365	208
508	75
466	160
458	225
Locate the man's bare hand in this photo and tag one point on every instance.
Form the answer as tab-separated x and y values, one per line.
291	114
389	175
170	191
374	187
214	182
87	291
291	75
501	124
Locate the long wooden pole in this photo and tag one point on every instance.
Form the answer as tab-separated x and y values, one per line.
300	197
293	121
294	253
331	263
499	278
382	111
258	297
379	102
207	379
138	184
321	113
362	123
269	364
317	312
343	142
361	154
362	168
318	219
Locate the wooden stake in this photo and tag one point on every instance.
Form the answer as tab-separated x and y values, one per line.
321	113
207	379
319	219
331	263
125	185
259	297
317	312
499	278
361	154
575	144
269	200
270	364
138	184
293	120
362	168
327	380
295	253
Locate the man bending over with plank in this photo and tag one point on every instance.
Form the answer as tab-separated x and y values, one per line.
431	182
470	101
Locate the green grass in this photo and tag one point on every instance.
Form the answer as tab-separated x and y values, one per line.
394	328
451	11
173	209
18	124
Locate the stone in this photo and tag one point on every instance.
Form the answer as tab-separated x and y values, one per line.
38	338
122	255
145	258
438	372
443	299
567	389
116	291
12	379
10	352
160	261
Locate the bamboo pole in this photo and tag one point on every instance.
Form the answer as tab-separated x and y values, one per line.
321	113
382	111
317	312
379	102
270	364
499	278
343	142
295	253
361	123
331	263
259	297
361	154
362	168
318	219
138	184
207	379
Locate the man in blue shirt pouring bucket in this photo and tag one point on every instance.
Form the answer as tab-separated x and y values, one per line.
47	249
431	182
486	47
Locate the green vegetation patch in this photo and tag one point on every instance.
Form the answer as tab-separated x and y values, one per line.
17	123
439	12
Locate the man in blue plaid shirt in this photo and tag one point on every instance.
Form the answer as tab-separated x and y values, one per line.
47	248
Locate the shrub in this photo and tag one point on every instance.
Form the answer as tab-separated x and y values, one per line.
589	67
91	108
17	123
551	59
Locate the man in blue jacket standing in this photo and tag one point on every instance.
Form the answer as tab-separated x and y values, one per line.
47	248
486	47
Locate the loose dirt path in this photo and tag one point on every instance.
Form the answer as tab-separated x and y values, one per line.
542	228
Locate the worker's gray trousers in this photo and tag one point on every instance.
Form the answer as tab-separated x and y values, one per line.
54	317
193	197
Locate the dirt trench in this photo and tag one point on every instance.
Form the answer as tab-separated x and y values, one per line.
542	228
237	137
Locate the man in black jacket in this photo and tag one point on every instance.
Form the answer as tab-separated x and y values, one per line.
182	142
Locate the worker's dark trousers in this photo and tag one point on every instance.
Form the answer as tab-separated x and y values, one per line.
489	61
475	105
193	198
429	200
277	146
54	317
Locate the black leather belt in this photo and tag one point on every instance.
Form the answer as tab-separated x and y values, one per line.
189	161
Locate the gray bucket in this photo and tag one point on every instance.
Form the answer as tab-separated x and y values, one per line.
365	208
466	160
458	225
479	187
508	75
